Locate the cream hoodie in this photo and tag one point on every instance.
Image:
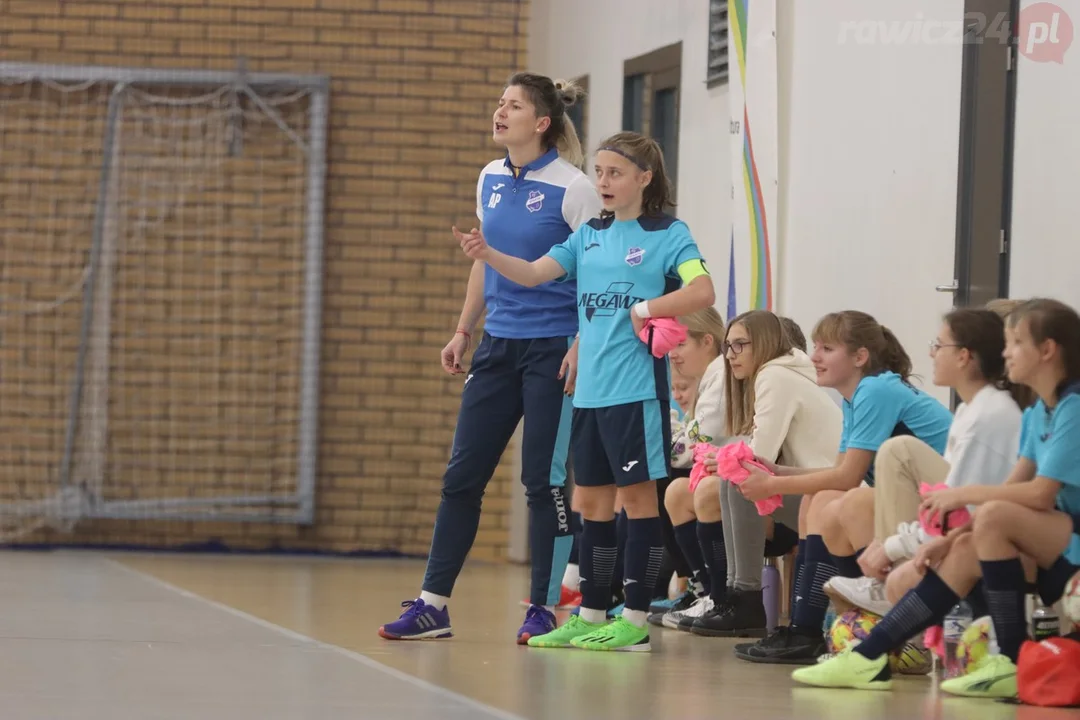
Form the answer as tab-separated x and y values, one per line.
795	420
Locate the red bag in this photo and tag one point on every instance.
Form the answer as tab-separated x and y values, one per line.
1048	673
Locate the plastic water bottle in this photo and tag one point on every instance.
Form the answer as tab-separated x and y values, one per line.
830	620
1045	622
956	622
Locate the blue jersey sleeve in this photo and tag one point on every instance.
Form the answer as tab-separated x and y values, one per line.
679	247
1060	457
875	411
1028	434
567	253
846	429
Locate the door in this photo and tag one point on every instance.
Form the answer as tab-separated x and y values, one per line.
988	94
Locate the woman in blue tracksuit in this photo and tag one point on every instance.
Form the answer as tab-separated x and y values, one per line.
527	202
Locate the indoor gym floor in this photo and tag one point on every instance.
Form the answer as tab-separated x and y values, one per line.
118	636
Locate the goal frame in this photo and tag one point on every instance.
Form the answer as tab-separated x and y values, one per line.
267	508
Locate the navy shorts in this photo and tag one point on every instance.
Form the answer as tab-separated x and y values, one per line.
621	445
1051	582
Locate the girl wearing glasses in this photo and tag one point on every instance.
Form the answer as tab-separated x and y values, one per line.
865	363
981	450
774	402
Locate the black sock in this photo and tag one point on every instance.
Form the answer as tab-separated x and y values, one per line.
687	535
711	539
1004	585
644	553
808	613
800	562
667	569
575	529
924	605
599	548
848	566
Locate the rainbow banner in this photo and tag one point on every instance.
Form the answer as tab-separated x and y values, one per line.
754	150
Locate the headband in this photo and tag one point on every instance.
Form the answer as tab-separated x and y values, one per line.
628	156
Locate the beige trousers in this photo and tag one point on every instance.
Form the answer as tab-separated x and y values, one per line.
901	466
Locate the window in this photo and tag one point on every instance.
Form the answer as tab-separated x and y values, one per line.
717	71
651	85
633	103
665	129
579	113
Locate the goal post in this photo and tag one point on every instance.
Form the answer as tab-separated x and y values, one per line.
160	294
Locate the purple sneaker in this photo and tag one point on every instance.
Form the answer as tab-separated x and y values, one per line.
418	622
538	621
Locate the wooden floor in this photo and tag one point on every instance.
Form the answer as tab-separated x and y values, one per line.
342	603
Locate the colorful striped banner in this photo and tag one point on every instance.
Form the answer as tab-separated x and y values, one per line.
755	149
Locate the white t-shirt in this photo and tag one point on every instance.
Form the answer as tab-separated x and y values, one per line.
707	424
984	440
982	449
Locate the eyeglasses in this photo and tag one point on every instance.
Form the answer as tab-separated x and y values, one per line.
735	348
936	345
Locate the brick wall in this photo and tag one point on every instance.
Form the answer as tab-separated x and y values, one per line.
413	88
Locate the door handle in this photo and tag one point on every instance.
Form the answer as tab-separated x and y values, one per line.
951	288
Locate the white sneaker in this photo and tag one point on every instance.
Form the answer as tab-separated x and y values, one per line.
863	593
701	606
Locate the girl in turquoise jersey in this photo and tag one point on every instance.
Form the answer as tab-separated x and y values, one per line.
633	263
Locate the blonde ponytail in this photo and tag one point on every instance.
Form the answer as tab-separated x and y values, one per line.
566	140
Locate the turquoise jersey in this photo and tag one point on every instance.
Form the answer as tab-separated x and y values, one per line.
885	406
616	265
1051	440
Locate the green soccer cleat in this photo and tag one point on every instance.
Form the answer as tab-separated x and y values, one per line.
847	669
621	635
994	676
561	637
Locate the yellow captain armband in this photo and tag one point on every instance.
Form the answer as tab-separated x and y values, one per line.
692	269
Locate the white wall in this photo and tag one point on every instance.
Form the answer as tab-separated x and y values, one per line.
570	38
869	137
1046	192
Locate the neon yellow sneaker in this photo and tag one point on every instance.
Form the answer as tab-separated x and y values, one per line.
561	637
994	676
620	635
847	669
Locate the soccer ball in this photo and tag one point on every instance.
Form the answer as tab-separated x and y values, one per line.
1070	601
975	643
850	627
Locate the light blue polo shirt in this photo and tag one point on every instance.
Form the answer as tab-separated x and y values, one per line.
1051	440
884	406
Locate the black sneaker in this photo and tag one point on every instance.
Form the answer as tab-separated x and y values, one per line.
785	646
742	616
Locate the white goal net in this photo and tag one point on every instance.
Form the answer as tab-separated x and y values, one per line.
157	292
